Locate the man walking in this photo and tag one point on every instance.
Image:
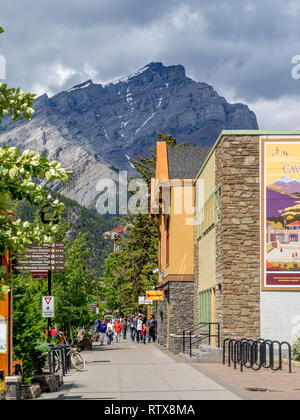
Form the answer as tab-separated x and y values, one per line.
132	326
102	327
152	324
124	327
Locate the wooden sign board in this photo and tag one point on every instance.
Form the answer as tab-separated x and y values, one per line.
42	258
155	295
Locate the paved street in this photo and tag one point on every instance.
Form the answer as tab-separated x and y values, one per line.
132	371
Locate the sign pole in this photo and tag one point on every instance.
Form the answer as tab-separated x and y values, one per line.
49	294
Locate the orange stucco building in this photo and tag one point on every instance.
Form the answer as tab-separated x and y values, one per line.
172	203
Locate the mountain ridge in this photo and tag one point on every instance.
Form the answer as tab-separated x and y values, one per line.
95	130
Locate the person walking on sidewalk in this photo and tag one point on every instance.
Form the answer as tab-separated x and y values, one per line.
139	326
132	327
144	332
118	329
109	335
124	328
102	327
96	329
111	328
152	324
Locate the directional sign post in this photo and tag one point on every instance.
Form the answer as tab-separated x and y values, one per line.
41	261
42	258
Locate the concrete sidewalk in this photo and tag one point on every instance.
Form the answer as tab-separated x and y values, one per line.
132	371
264	384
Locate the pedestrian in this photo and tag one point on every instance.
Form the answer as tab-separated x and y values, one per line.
118	329
152	324
144	333
102	327
132	326
96	330
111	327
110	335
139	326
124	328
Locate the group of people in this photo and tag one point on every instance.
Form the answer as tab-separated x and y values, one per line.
113	329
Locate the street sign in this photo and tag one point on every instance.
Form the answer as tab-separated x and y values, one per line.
144	301
48	306
155	295
39	275
42	258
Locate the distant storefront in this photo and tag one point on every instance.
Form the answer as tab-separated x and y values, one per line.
247	235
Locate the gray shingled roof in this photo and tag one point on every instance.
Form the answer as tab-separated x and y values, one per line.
185	162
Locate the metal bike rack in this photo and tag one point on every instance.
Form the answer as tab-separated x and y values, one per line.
255	354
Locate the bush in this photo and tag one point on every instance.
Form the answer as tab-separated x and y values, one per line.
29	326
296	350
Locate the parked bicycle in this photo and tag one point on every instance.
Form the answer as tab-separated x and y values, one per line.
63	356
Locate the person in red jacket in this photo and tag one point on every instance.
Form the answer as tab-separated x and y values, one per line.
118	329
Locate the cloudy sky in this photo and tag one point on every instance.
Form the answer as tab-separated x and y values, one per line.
244	48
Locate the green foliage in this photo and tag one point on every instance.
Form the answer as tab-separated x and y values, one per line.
29	326
296	350
20	176
79	219
75	286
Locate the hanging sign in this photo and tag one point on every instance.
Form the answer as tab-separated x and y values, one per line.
144	301
155	295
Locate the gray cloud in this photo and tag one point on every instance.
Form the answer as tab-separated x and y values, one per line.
243	48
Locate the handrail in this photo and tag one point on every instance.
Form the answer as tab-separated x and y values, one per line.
196	325
200	337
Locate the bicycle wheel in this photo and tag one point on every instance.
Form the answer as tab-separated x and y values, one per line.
77	361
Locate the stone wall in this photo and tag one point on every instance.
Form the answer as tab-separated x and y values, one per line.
237	237
181	306
181	314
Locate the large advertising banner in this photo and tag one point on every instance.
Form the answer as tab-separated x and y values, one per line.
280	213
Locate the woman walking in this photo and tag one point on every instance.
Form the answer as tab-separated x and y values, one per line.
118	329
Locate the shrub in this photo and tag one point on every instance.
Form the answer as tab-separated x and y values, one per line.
296	350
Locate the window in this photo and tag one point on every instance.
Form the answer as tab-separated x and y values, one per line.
205	306
209	214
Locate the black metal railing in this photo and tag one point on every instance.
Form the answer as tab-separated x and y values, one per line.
198	333
256	354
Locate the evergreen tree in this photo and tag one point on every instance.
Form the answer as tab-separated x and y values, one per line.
129	272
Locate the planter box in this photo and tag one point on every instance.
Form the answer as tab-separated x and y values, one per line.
30	391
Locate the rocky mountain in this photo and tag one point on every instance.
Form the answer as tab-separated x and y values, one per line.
96	129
